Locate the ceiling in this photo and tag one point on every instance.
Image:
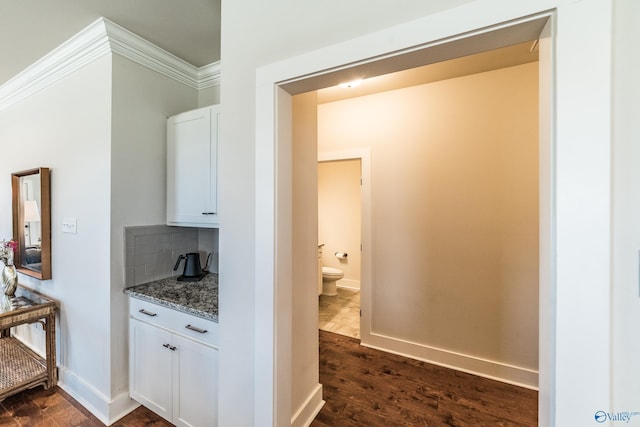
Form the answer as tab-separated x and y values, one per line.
32	28
508	56
29	29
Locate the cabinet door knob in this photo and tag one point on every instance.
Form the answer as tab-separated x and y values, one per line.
170	347
196	329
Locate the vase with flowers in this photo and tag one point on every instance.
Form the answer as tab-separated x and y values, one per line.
9	273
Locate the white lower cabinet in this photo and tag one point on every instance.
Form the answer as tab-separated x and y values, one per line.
173	374
151	379
197	376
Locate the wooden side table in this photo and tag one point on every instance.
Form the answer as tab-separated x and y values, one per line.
20	367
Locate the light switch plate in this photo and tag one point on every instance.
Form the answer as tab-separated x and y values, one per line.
69	225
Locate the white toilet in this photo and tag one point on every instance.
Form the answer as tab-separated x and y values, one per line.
330	276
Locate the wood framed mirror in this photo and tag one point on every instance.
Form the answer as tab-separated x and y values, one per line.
31	191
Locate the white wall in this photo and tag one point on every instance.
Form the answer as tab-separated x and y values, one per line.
582	197
102	131
581	143
455	213
142	101
279	29
67	127
626	210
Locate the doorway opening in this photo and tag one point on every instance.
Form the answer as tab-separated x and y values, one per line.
339	242
454	234
274	121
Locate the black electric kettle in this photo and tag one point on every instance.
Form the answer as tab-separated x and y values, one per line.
192	271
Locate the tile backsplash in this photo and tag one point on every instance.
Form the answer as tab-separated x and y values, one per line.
152	251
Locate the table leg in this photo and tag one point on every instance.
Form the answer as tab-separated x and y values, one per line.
50	332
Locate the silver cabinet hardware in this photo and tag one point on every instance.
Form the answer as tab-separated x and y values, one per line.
193	328
148	313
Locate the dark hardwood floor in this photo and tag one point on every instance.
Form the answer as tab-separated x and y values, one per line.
55	408
366	387
362	387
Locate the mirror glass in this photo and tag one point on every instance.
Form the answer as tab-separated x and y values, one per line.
32	222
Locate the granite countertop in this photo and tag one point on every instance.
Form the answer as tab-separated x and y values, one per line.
196	298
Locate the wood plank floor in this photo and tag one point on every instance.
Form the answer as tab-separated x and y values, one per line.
362	387
55	408
366	387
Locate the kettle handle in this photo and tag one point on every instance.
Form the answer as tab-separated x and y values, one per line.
180	258
206	266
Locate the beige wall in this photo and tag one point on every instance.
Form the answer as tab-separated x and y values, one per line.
339	217
455	210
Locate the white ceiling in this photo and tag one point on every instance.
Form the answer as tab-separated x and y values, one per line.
29	29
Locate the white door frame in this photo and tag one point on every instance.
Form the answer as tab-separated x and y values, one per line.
579	134
273	210
366	231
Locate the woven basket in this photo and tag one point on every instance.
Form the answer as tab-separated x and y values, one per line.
18	366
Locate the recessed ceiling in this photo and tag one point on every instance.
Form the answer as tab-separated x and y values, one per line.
509	56
439	51
32	28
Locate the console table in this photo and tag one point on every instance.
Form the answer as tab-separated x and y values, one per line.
20	367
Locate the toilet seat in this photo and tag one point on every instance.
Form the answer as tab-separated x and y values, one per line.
331	272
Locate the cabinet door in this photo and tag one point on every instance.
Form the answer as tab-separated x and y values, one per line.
196	398
192	167
150	367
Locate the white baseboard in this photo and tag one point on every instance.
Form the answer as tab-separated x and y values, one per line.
305	415
494	370
106	410
121	406
349	284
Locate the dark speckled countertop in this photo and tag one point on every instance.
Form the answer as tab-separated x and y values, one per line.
197	298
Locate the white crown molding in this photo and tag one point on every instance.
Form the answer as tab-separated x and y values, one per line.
98	39
209	75
133	47
83	48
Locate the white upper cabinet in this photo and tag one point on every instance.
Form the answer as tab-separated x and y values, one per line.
192	160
